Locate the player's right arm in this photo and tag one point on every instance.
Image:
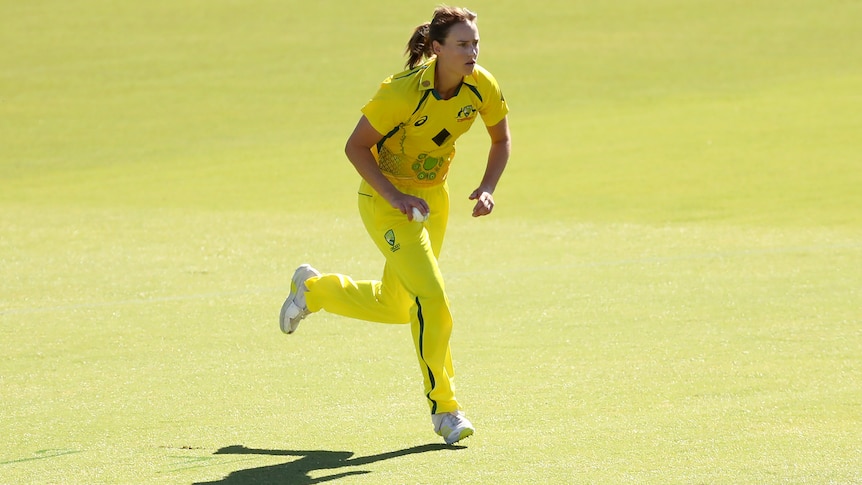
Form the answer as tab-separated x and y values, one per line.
358	151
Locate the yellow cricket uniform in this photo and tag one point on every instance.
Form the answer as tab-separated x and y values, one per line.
415	152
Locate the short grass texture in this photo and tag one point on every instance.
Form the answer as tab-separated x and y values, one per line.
668	291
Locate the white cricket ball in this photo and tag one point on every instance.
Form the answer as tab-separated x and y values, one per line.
418	216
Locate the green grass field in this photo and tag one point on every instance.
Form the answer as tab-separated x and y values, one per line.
669	290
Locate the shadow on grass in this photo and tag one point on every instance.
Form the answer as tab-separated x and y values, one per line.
297	471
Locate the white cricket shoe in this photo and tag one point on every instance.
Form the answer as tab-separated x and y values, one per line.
294	308
453	427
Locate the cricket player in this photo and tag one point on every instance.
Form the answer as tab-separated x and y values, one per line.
402	148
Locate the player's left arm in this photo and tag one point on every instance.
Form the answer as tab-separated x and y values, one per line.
498	157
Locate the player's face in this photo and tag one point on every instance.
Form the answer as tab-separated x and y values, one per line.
460	50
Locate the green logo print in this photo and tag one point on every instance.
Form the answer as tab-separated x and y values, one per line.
427	167
466	113
390	239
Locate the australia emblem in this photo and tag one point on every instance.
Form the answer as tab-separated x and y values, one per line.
390	239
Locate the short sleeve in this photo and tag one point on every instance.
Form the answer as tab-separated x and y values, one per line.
386	109
494	107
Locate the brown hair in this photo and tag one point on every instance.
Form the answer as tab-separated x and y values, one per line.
419	45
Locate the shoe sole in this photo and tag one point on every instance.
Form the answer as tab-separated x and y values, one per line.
285	325
454	438
302	273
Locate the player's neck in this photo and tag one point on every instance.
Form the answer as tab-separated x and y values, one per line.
447	86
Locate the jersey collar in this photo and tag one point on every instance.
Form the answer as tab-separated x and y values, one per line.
426	78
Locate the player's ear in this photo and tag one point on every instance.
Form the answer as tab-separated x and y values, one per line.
435	47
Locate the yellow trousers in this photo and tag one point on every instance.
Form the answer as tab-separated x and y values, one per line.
411	289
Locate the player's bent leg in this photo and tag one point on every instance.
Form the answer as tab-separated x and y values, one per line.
363	300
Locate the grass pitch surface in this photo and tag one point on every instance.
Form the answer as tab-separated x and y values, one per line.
667	292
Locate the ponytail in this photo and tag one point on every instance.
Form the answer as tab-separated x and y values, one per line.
419	46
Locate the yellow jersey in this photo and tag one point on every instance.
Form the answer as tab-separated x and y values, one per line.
421	128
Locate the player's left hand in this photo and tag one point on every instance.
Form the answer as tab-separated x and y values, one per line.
484	202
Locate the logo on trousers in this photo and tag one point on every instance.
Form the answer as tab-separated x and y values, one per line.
390	238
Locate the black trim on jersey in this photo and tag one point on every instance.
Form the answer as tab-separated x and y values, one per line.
387	136
412	72
395	130
475	91
419	105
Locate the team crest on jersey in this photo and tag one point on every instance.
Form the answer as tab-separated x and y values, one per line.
390	239
467	113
